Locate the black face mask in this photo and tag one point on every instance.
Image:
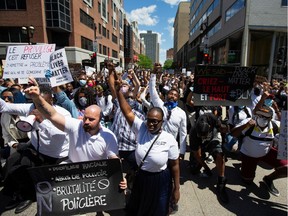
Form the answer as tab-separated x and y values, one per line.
257	91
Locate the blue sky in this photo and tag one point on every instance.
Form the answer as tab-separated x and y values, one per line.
155	15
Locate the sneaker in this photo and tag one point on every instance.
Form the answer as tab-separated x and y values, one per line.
209	159
270	186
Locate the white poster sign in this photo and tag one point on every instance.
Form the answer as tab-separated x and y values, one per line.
282	143
183	70
60	73
23	80
89	71
27	60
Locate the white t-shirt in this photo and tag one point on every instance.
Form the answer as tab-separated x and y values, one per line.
84	147
166	147
257	148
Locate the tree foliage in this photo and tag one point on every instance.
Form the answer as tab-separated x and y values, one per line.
145	62
168	64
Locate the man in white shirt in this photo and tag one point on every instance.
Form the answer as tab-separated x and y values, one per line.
174	117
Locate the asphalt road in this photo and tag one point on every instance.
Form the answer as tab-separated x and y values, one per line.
198	196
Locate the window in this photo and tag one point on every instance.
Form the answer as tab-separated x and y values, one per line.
100	48
114	23
89	3
86	43
12	34
234	9
104	50
284	3
104	33
99	7
114	39
12	4
86	19
99	28
104	9
120	20
108	34
114	54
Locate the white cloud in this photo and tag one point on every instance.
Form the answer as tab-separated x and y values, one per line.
172	2
144	16
171	20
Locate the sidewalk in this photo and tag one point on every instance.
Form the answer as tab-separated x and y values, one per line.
198	196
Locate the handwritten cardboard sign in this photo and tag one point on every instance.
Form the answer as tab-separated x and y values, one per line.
78	188
28	60
59	68
282	143
223	85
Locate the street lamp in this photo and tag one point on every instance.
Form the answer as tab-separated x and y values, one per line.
28	31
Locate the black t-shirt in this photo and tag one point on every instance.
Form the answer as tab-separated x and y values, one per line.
212	120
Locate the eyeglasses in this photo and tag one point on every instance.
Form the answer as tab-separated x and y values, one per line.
10	98
153	121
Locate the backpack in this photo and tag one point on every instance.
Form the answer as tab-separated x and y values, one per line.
275	131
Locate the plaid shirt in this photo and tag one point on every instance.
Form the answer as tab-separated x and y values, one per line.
125	136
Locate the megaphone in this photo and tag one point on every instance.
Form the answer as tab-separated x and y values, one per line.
26	124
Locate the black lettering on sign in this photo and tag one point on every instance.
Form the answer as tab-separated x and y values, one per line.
78	188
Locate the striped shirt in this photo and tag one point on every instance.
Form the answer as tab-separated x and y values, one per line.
125	136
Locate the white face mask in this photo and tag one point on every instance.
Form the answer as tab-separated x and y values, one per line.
262	122
124	89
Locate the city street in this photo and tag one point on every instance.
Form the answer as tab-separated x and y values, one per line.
198	195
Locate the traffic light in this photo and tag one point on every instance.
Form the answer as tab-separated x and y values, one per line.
93	58
280	56
206	58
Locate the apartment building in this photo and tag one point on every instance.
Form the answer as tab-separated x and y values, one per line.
181	34
170	53
152	45
239	32
82	27
133	44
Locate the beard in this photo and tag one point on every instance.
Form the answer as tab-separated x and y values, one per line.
86	127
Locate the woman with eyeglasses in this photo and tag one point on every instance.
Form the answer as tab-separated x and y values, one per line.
157	179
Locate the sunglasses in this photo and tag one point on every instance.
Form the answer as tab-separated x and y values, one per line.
10	98
153	121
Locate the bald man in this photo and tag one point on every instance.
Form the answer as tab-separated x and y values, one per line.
88	140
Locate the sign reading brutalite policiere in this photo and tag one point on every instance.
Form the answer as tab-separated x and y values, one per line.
60	73
78	188
28	60
223	85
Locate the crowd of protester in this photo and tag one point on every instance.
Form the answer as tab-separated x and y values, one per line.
122	114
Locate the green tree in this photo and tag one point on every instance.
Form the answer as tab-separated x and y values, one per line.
168	64
145	62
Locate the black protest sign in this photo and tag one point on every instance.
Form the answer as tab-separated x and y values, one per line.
78	188
223	85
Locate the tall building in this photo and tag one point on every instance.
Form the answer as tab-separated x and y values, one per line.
78	26
152	45
240	32
133	44
170	53
181	34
